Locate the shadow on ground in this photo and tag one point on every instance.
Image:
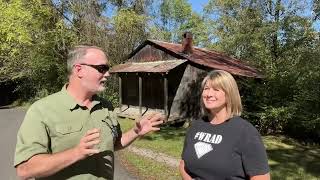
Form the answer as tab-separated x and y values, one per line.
290	160
166	133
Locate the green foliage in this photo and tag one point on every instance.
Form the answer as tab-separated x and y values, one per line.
316	9
280	41
176	17
306	99
272	119
15	38
199	27
174	13
33	41
129	32
111	93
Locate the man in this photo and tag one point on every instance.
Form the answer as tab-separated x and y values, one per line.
73	133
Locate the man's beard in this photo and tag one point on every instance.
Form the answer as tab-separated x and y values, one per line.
93	88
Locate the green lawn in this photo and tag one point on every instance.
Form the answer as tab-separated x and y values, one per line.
288	159
147	169
291	160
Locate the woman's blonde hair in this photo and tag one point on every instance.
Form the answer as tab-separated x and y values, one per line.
223	80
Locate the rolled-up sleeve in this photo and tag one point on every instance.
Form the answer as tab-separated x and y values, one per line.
32	137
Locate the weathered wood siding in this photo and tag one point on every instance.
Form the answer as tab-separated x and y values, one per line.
186	103
183	86
130	89
152	90
183	91
174	80
149	53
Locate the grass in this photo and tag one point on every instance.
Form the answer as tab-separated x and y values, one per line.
168	140
288	159
21	104
147	169
291	160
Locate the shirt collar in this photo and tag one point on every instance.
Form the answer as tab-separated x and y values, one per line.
71	103
95	100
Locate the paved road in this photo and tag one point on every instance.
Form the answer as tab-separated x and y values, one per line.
10	120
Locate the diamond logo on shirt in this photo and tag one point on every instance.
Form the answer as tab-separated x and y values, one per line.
202	148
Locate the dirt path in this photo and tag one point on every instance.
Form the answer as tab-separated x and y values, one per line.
159	157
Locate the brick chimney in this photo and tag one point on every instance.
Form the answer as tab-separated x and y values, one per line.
187	43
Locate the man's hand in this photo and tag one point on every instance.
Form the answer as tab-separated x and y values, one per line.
43	165
148	124
86	147
142	127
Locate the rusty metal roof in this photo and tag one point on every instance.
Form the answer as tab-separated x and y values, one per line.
211	59
155	66
208	58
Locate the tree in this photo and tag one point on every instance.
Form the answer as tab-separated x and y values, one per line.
129	30
277	37
33	42
316	9
15	37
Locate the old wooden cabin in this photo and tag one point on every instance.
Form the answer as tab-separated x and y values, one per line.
165	77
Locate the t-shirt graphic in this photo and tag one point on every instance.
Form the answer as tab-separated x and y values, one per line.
205	141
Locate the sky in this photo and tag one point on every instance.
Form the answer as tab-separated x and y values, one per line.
197	5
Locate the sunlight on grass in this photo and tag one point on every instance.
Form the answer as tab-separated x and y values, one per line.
20	104
168	140
275	143
288	159
126	124
149	169
291	160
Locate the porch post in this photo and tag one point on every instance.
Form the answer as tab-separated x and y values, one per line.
140	95
165	91
120	93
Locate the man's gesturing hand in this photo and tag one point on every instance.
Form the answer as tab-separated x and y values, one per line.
86	147
148	124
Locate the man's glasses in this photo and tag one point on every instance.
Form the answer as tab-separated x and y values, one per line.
101	68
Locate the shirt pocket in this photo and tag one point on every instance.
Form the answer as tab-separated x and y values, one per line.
66	129
66	136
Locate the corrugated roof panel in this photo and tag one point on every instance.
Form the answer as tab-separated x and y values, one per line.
212	59
155	66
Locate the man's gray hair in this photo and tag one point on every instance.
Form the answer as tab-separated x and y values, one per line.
76	54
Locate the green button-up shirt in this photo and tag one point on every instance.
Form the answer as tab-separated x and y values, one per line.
56	123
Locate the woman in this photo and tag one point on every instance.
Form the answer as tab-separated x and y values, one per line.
222	145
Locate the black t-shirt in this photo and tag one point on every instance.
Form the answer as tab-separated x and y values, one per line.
231	150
